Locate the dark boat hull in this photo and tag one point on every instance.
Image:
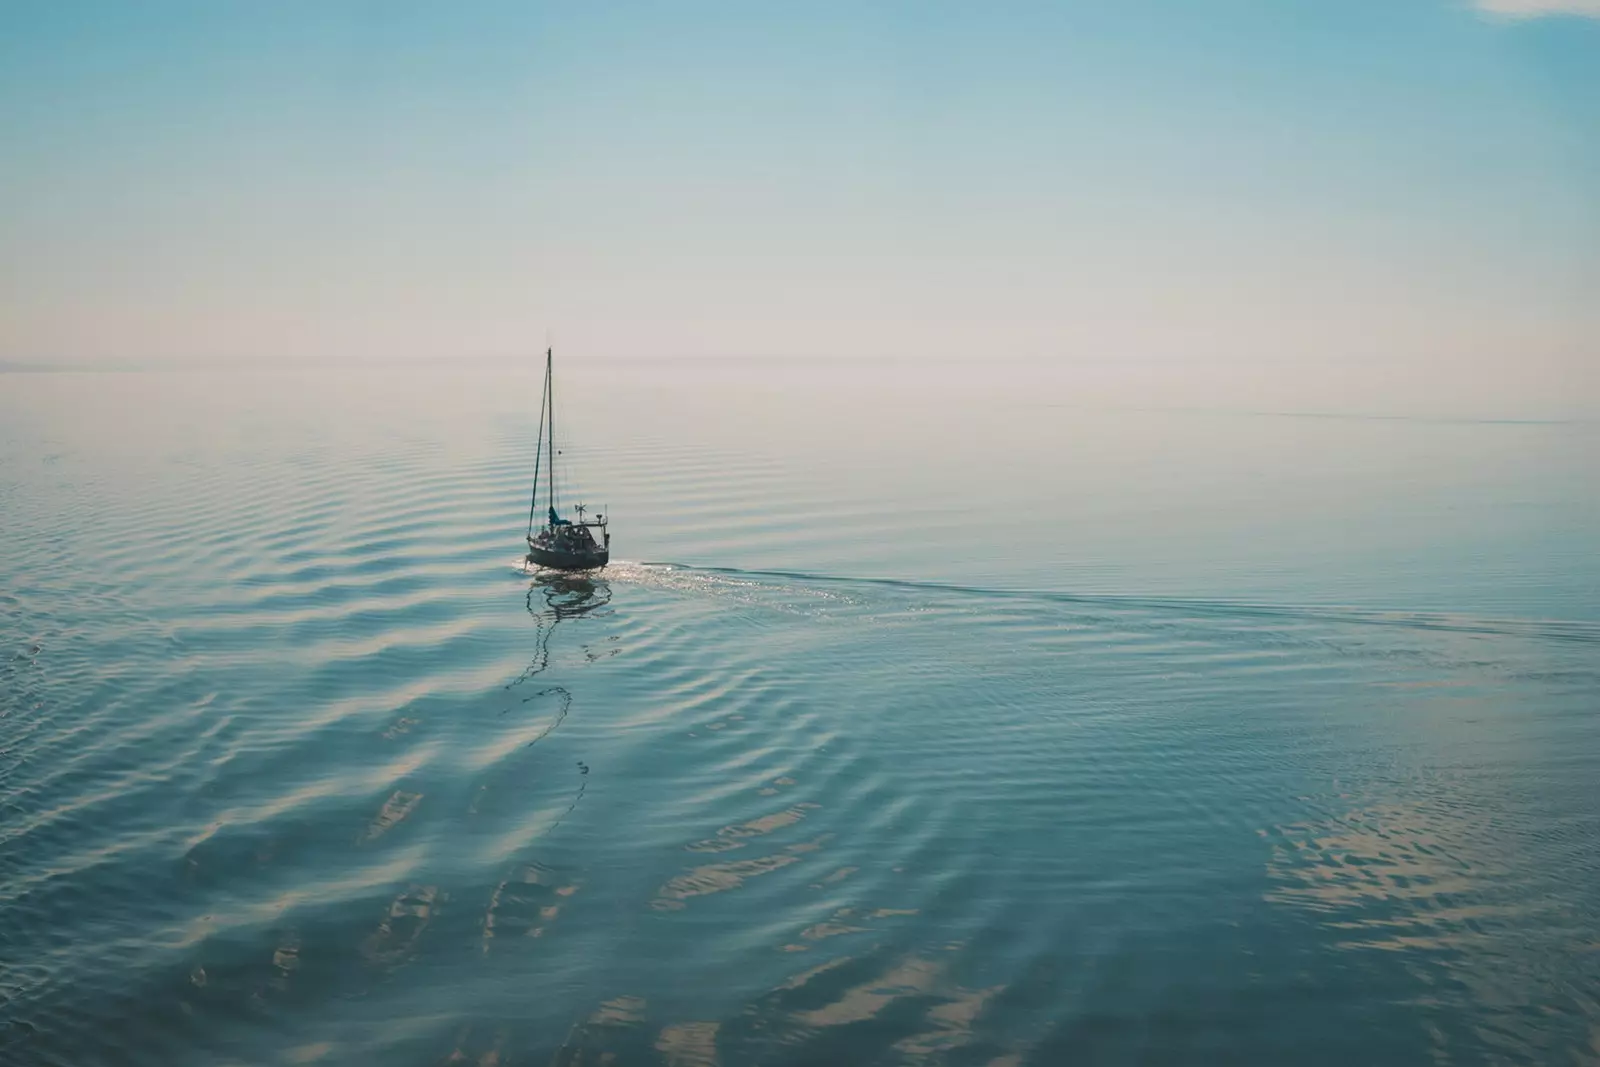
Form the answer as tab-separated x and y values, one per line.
566	560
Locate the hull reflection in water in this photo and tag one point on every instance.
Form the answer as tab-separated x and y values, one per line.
551	599
554	596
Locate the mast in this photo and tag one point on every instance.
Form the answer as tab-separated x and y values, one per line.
538	455
550	392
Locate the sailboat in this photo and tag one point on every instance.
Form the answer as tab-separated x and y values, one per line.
560	544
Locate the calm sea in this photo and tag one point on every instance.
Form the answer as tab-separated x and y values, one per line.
931	716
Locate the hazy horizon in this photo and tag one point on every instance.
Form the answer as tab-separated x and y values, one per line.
1351	205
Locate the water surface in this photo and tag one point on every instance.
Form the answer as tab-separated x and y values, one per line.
945	718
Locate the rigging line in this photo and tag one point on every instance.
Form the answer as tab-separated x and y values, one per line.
538	456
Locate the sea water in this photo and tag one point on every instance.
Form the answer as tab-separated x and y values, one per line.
935	716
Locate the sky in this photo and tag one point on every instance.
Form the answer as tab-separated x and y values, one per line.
1400	192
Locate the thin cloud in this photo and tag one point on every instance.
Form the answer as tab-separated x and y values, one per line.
1532	9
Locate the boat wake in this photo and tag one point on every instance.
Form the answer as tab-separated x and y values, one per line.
837	588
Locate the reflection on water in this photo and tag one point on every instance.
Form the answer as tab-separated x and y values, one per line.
910	1003
1434	888
553	596
525	904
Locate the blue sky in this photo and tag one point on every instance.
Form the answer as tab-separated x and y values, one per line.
1408	189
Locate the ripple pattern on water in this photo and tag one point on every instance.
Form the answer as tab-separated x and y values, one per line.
298	765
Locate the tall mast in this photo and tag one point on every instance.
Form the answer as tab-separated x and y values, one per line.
550	392
538	455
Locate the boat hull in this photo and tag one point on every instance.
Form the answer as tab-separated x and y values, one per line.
558	559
